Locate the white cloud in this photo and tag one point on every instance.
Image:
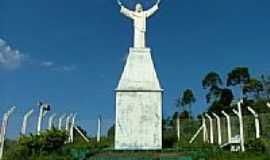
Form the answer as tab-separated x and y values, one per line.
47	64
66	68
2	42
10	58
56	67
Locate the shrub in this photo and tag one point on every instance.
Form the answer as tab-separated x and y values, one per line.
257	145
37	147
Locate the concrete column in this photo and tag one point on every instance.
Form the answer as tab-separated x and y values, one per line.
211	128
25	121
51	121
3	130
218	128
229	128
257	122
99	129
61	120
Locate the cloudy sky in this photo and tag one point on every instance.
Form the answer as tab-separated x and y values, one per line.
70	53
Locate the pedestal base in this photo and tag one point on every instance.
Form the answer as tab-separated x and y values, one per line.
138	124
139	119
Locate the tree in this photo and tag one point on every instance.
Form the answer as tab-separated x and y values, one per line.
212	83
212	79
254	87
266	85
186	100
238	76
226	97
218	97
184	115
47	142
111	131
216	107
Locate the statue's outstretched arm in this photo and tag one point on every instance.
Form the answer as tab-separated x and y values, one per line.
124	10
153	10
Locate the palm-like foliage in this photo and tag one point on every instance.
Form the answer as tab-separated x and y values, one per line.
212	82
238	76
253	86
266	85
186	100
212	79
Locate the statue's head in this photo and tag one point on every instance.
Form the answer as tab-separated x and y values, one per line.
139	7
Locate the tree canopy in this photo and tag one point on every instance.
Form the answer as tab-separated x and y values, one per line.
238	76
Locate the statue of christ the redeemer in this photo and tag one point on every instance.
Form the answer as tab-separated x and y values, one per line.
139	17
138	95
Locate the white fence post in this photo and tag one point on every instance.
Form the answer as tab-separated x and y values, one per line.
3	130
99	129
218	128
25	121
196	134
211	128
257	122
268	104
61	120
229	129
43	109
51	121
68	122
241	125
205	137
71	134
178	128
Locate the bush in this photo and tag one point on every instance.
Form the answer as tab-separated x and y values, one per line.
169	140
257	145
45	146
46	142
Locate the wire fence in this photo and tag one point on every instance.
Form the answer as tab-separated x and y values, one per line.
189	127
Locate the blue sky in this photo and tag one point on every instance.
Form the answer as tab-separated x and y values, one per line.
71	53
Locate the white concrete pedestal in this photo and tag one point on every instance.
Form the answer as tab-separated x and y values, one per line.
138	104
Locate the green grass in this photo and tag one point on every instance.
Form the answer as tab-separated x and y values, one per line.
239	156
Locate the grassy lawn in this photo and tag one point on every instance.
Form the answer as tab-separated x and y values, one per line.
177	155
